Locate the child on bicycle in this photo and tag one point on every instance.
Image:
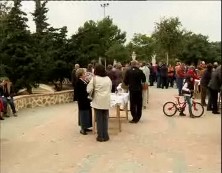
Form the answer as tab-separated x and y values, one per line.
187	92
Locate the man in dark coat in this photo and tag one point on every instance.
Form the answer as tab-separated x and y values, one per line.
134	78
214	88
205	79
164	76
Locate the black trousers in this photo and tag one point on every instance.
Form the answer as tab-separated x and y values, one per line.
164	82
203	94
152	80
213	100
102	116
136	105
170	81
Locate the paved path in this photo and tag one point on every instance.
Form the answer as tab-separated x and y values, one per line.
47	140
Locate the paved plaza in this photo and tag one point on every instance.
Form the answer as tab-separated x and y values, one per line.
47	140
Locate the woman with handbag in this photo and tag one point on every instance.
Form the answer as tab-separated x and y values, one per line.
85	111
101	86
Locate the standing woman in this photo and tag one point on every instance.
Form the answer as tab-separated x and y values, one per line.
102	86
85	112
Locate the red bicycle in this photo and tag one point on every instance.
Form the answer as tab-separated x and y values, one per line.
171	108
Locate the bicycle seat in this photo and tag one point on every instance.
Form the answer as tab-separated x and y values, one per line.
177	97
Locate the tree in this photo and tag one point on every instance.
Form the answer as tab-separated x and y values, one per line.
59	63
86	43
16	49
117	52
195	47
215	52
4	12
143	46
168	36
50	47
40	16
94	39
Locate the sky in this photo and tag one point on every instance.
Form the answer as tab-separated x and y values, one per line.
200	17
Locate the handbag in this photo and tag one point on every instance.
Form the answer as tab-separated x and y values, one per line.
91	93
145	86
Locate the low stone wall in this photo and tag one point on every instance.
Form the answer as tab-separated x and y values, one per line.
42	100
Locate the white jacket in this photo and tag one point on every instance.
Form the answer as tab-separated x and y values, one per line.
102	91
186	90
146	71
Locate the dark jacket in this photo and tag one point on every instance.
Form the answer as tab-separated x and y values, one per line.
81	95
73	77
163	71
215	81
134	78
1	91
7	91
205	79
115	76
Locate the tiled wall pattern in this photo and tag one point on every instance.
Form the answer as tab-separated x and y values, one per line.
41	100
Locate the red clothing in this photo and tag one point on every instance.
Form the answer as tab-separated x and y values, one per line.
170	71
192	73
1	106
180	72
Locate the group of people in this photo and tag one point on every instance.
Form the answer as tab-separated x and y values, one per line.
211	85
185	76
135	79
6	97
99	82
102	83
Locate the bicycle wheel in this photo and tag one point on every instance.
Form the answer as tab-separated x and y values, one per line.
197	109
169	109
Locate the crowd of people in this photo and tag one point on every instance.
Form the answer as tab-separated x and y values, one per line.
135	78
93	86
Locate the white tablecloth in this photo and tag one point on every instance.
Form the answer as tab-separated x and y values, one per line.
120	99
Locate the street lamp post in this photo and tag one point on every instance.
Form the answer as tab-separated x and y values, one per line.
104	8
104	13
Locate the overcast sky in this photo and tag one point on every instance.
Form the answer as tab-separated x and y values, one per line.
202	17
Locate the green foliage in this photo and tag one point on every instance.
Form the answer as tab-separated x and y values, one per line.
48	56
214	53
168	36
143	46
16	50
195	47
40	16
50	47
94	39
118	52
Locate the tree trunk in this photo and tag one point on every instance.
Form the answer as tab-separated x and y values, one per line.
60	82
37	7
167	58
